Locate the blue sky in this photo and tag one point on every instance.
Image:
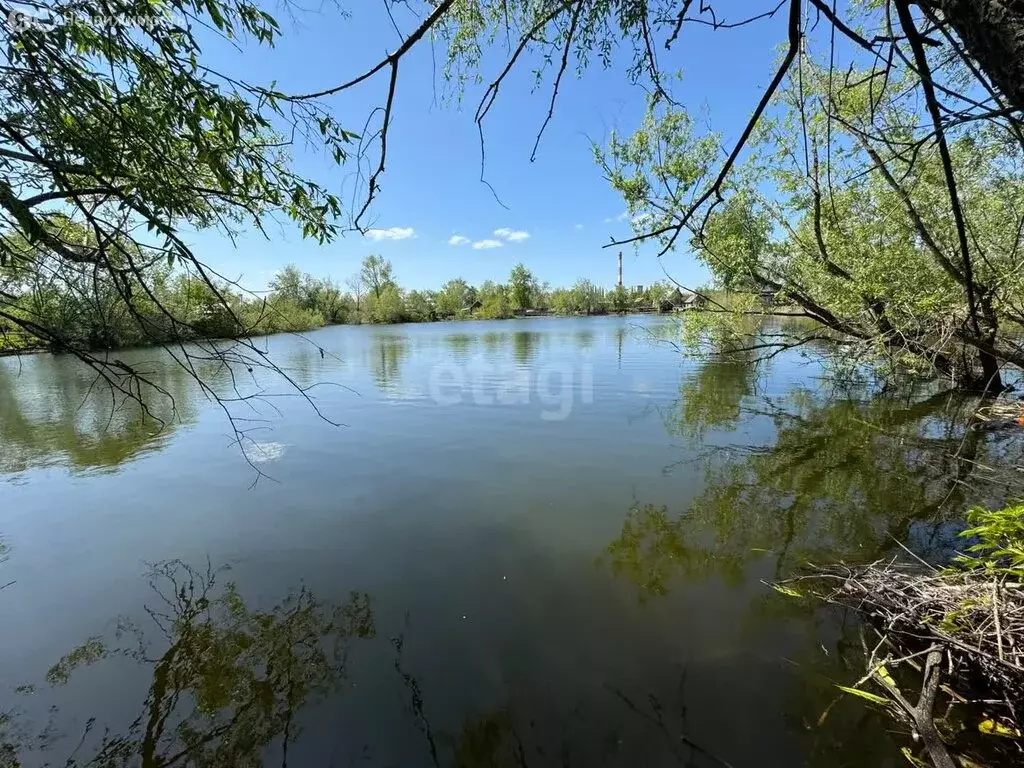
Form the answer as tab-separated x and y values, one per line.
560	211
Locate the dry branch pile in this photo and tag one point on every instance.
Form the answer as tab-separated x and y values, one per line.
965	627
977	619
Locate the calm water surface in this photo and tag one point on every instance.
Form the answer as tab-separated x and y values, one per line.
537	542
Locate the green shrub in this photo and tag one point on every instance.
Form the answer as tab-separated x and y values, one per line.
1000	536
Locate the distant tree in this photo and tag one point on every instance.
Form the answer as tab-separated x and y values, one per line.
542	300
454	296
655	293
588	298
326	297
286	285
356	285
494	301
563	301
522	287
377	274
386	306
620	299
487	289
420	306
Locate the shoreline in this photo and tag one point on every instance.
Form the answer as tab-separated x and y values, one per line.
37	349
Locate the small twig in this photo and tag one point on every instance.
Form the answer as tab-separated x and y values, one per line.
995	615
914	555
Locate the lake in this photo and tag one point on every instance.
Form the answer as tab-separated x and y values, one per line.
525	543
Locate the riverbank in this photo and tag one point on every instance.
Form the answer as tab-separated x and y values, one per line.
19	344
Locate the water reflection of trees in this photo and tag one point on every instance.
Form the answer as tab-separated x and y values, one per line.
494	342
712	397
387	354
630	725
831	477
525	345
227	680
584	339
460	345
838	474
4	555
840	479
227	685
53	411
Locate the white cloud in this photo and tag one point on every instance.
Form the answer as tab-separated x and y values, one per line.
512	235
481	244
621	217
579	226
392	233
457	240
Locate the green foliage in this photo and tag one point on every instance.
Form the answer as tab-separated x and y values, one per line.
420	306
494	301
1000	544
117	137
522	288
180	305
377	274
588	298
386	306
584	298
562	301
620	300
454	296
827	218
300	302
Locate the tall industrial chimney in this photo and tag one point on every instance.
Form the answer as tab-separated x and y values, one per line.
620	269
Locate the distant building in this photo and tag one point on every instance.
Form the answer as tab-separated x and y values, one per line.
681	299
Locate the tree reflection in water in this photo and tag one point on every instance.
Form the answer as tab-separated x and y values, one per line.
54	412
832	478
228	685
839	480
387	353
818	475
227	680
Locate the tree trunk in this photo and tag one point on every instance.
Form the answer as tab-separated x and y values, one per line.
992	32
991	380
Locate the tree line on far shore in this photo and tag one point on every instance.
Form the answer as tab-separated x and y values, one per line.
181	306
373	295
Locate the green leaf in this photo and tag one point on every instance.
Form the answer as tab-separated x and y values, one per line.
995	728
788	591
873	698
